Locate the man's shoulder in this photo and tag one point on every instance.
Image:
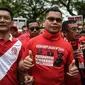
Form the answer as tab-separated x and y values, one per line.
65	43
24	36
35	40
14	40
38	37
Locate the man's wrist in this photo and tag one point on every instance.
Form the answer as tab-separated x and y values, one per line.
21	69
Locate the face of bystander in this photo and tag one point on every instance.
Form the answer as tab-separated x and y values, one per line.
72	32
24	30
14	31
5	21
34	29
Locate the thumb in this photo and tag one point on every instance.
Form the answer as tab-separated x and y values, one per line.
72	64
30	53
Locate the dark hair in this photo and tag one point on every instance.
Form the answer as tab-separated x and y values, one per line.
30	21
23	26
8	10
83	31
55	9
14	27
65	24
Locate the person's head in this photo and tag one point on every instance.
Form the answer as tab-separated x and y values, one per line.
24	29
14	31
53	20
70	30
33	27
6	19
82	33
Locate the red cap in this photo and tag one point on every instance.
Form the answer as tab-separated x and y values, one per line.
15	27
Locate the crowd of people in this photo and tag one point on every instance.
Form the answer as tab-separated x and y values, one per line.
55	56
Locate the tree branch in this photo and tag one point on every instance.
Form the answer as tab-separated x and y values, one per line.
67	6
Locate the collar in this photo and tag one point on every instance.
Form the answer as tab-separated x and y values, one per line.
10	38
75	43
50	36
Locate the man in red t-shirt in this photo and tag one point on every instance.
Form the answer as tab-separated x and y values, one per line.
33	30
52	55
11	50
24	29
70	30
14	31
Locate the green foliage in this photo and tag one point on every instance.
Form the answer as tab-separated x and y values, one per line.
25	8
14	5
80	7
35	8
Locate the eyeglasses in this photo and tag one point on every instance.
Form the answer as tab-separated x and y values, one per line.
32	28
51	19
76	29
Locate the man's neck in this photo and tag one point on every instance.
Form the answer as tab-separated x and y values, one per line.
4	36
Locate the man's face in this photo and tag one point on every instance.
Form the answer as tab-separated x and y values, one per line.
53	22
34	29
72	33
13	31
24	30
5	21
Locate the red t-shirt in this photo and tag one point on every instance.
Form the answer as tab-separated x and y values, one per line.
82	38
52	56
24	38
72	80
10	54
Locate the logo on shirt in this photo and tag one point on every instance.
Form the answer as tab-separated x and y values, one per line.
14	50
49	55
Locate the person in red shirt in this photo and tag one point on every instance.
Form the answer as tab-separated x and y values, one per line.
52	55
70	30
33	30
14	31
11	50
24	29
82	41
82	38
